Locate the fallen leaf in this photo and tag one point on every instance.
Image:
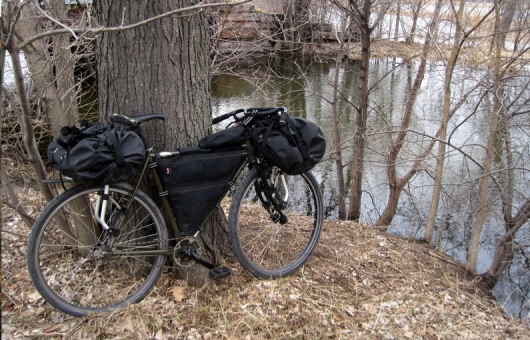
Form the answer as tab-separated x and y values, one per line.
350	310
52	328
127	325
33	297
178	293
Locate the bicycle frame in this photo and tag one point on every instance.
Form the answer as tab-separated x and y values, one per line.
150	163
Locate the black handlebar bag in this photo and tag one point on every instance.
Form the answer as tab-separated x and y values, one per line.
196	181
293	144
97	154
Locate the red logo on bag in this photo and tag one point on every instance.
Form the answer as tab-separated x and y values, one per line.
168	171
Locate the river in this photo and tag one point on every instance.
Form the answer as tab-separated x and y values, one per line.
305	87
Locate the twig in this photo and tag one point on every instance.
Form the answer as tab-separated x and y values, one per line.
20	211
36	5
440	258
12	233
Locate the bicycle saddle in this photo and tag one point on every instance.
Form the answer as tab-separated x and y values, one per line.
135	120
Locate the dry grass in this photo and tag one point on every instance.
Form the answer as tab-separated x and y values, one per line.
477	55
360	283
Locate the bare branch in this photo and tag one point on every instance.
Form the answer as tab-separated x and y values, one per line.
195	8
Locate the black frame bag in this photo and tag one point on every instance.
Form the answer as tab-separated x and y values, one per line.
97	154
293	144
196	181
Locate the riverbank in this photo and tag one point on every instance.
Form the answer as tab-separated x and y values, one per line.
360	283
379	49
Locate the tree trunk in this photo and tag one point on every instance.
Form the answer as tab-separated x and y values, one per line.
359	137
26	124
64	63
415	15
504	251
41	69
398	18
341	184
490	150
507	16
161	67
296	28
455	52
395	185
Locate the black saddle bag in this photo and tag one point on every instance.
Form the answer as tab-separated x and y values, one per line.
196	181
97	154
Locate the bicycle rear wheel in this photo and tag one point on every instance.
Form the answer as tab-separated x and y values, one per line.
265	245
79	268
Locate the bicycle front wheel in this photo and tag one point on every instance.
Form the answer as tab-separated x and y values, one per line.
266	245
79	268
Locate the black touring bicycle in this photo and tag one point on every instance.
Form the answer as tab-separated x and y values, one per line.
103	244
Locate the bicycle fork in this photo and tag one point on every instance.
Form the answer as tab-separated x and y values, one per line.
270	196
100	210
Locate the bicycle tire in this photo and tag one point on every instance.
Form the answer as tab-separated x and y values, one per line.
82	274
269	249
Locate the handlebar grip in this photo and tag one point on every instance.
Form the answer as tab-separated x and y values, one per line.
226	116
218	119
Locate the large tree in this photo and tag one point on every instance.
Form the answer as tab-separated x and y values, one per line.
162	66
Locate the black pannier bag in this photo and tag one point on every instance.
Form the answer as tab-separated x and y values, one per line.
97	154
293	144
196	181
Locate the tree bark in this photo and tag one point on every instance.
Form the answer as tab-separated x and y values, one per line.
161	67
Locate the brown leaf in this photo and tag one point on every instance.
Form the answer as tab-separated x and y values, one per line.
178	293
52	328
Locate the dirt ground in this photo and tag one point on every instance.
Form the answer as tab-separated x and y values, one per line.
360	283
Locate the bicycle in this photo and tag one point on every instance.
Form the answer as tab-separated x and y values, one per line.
96	249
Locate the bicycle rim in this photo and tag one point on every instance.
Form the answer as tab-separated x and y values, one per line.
264	246
72	261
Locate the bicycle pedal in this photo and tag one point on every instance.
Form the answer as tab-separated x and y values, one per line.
220	272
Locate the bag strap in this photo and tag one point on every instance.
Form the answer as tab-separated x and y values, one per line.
294	131
301	145
117	149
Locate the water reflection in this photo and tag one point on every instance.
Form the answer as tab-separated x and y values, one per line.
305	87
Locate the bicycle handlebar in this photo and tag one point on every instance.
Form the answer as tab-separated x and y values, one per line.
226	116
252	112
